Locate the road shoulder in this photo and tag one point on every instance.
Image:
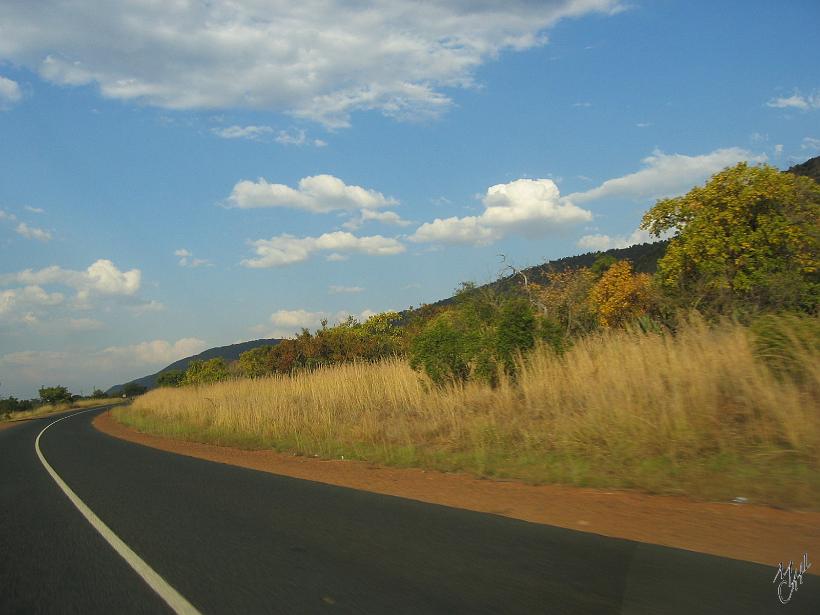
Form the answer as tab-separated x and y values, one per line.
746	532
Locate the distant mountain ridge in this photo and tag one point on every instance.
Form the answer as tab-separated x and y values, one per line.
229	353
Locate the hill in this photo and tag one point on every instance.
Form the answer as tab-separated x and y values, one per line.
644	258
229	353
810	168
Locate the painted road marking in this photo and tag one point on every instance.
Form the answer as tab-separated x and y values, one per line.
171	596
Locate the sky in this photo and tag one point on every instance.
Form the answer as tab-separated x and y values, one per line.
184	174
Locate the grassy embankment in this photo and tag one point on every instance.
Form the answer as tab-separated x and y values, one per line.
698	413
47	409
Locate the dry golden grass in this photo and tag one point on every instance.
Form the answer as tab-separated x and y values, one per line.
47	409
696	413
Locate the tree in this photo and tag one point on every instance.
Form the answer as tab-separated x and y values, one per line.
747	239
170	378
54	395
620	296
205	372
98	394
132	389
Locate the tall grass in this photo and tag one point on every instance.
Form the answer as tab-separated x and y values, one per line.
696	413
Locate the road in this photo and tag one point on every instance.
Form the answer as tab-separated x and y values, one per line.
233	540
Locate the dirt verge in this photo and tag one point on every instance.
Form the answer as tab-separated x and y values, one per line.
740	531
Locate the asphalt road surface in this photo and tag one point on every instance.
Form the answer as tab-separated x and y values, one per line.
232	540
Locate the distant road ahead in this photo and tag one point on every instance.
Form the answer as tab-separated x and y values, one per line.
232	540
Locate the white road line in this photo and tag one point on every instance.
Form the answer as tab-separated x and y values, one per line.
174	599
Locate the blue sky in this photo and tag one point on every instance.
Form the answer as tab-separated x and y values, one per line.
176	176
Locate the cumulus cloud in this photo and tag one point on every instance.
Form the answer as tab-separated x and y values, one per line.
156	352
528	207
34	210
317	193
32	232
10	93
251	133
4	215
101	278
317	59
796	101
287	249
666	175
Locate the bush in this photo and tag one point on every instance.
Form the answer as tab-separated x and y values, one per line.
205	372
170	378
55	395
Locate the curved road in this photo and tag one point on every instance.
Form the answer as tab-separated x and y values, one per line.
232	540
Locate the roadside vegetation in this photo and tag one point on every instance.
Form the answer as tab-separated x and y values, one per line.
52	400
702	378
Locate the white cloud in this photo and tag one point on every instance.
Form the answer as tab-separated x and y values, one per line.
4	215
291	137
287	323
16	303
666	175
385	217
156	352
528	207
335	257
796	101
339	290
778	150
317	193
186	259
643	124
251	133
32	232
596	243
10	93
102	277
318	59
287	249
34	210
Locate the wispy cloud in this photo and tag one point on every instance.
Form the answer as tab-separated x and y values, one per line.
317	59
187	259
797	101
32	232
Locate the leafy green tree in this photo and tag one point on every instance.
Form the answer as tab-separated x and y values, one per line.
170	378
516	331
54	395
483	332
132	389
206	372
747	239
98	394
